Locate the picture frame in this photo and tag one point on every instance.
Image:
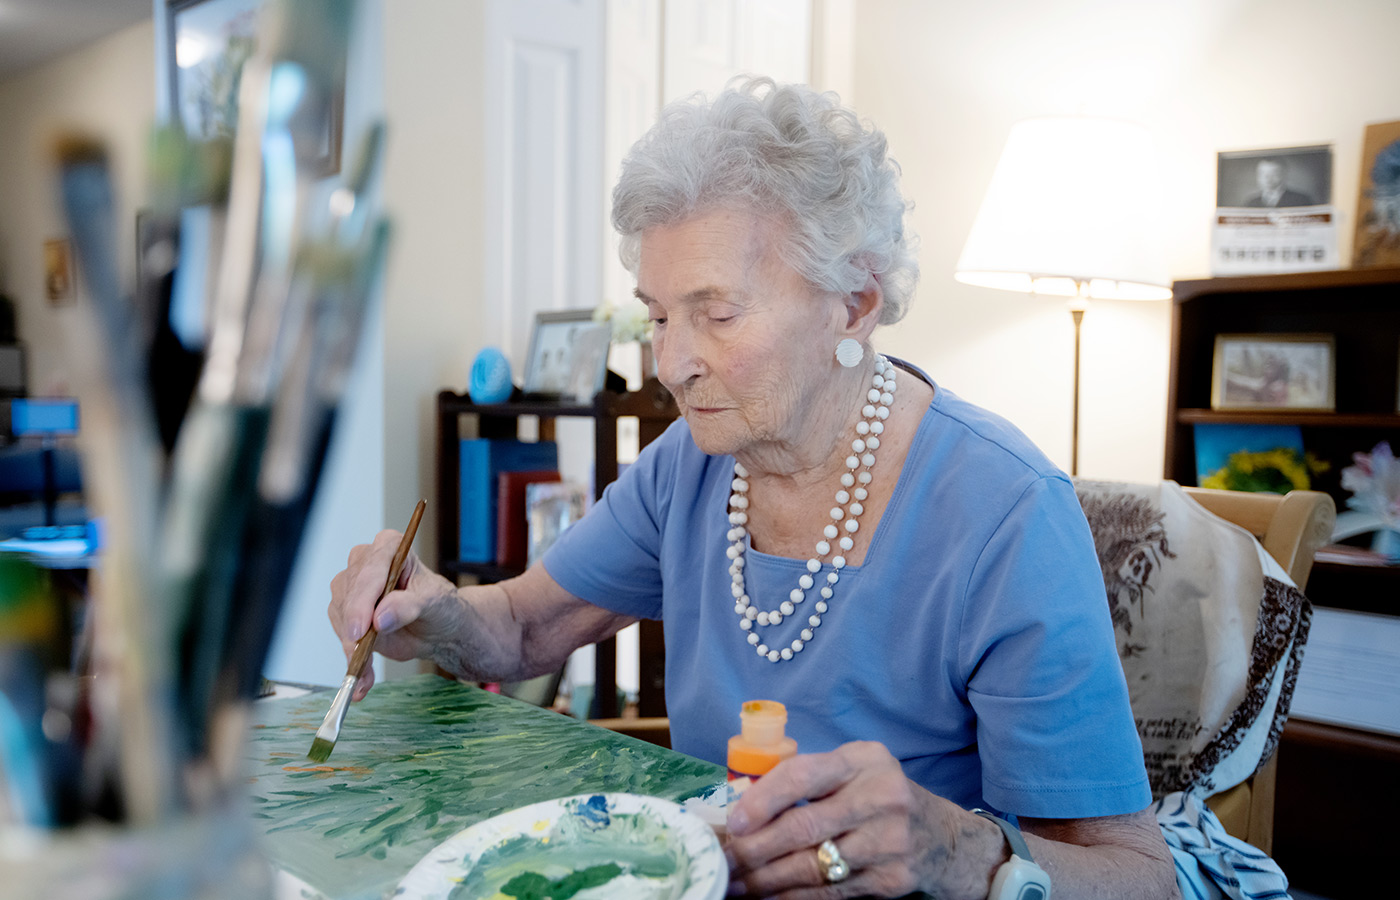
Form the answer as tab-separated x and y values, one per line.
1299	176
58	272
1274	371
568	356
550	508
1377	237
1274	211
209	42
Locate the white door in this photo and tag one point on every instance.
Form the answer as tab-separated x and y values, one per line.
544	151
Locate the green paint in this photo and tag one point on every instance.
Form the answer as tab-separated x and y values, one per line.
422	759
552	863
532	886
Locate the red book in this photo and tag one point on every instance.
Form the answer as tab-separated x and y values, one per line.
512	533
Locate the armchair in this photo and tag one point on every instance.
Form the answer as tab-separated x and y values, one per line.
1205	591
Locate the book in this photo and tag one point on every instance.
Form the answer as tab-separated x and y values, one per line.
482	462
511	531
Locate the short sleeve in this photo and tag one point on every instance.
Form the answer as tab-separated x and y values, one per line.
612	556
1043	672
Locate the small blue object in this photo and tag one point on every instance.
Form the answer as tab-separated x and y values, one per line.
594	813
490	377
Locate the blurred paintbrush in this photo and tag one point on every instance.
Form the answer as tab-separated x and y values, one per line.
134	733
297	444
329	731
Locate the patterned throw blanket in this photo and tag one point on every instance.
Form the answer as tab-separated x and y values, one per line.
1210	632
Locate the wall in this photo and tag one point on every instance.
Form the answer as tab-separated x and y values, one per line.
947	81
103	90
433	189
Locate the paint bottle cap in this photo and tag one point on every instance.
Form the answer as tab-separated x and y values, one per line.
763	721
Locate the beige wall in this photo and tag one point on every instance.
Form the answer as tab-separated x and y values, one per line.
103	90
434	193
947	81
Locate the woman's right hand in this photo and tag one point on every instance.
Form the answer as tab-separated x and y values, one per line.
422	612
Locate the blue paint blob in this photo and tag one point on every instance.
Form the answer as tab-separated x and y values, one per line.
594	812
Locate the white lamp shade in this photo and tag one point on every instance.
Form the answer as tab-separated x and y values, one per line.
1074	201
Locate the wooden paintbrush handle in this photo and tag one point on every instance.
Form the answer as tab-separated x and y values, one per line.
364	647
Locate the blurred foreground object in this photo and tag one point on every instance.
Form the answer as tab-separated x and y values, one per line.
200	542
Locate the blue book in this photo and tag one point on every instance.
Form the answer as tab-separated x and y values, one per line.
482	461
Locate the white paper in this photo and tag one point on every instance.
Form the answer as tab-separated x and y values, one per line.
1250	241
1351	671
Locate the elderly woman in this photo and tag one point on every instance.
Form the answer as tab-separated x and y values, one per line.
825	527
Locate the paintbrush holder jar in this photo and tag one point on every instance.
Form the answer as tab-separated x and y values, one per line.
210	856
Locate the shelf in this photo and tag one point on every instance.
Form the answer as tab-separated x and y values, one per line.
1183	291
1287	417
652	402
462	403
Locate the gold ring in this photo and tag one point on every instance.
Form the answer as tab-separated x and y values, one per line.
834	868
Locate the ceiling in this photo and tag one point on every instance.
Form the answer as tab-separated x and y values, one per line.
35	31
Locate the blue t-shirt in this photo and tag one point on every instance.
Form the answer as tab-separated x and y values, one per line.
974	641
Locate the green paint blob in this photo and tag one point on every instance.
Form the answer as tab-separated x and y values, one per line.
533	886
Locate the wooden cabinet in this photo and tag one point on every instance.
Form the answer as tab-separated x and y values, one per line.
1332	781
1361	309
654	409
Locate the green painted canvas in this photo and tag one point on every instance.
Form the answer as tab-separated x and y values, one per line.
419	760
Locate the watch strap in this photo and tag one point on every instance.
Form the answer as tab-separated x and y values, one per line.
1013	835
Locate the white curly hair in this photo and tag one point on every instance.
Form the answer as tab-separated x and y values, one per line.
786	150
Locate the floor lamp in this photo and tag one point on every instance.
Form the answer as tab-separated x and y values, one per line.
1074	210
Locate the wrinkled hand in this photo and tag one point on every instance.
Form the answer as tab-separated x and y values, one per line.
887	828
413	619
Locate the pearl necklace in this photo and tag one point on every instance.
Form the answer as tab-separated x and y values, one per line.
852	495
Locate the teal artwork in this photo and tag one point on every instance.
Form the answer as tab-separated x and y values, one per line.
421	759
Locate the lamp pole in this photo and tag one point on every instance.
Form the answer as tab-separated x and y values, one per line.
1077	305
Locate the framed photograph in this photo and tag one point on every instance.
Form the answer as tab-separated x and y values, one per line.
1274	211
58	272
1377	240
568	355
550	507
209	41
1274	371
1274	178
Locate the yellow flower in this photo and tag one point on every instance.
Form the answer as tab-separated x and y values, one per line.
1278	470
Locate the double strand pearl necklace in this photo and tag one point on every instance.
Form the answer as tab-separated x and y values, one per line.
852	496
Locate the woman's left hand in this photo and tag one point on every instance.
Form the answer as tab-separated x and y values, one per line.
890	832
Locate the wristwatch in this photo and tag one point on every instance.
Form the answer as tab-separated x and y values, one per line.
1019	878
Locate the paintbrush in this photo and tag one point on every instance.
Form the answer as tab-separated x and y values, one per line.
329	731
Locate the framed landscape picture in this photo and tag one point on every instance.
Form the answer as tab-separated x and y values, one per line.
1274	371
210	41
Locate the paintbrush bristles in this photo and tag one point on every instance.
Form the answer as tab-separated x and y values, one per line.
320	750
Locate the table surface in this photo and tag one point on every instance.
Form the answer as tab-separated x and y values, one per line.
417	761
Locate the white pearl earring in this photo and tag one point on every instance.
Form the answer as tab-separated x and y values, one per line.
849	352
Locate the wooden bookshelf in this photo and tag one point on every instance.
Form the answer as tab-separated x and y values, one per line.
654	409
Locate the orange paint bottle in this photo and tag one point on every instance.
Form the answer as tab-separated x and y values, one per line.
761	743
